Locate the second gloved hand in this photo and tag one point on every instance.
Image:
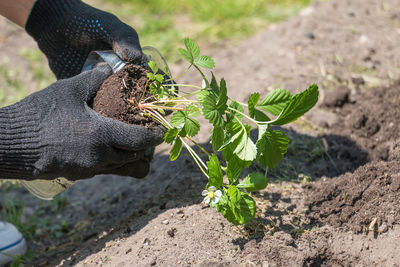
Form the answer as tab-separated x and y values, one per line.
54	133
67	31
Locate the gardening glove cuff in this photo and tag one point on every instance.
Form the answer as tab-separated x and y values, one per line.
68	30
19	141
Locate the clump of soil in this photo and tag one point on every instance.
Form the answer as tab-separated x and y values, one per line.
367	199
363	201
113	98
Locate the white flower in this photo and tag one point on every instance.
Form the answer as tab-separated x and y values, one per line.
212	194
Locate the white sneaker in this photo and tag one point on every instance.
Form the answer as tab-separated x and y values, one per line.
11	242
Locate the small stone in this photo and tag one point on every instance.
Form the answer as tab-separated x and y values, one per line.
358	80
310	35
383	228
171	232
180	212
372	225
146	241
166	222
129	250
153	261
336	98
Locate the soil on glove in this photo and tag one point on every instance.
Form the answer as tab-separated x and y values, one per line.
115	96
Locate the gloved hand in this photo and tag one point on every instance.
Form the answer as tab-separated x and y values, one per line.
54	133
67	31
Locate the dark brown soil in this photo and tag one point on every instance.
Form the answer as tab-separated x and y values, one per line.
112	98
363	201
372	192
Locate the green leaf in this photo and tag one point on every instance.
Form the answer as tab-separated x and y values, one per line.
156	90
176	149
185	54
192	126
254	181
247	209
151	76
223	97
210	111
192	48
271	148
193	110
298	105
153	66
202	95
170	135
233	127
245	149
205	62
260	116
234	105
217	137
189	126
275	101
178	119
252	102
214	85
214	171
238	213
234	194
261	130
234	168
235	131
159	78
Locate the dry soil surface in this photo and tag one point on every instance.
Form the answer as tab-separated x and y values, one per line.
339	207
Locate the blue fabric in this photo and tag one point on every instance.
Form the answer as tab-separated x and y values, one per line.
11	245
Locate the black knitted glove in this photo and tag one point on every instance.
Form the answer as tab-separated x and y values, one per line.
54	133
68	30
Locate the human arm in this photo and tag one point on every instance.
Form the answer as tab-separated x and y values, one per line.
16	10
54	133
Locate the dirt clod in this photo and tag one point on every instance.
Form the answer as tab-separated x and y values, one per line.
118	96
337	98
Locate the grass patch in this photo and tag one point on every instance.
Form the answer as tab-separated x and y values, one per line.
11	85
42	74
41	223
163	23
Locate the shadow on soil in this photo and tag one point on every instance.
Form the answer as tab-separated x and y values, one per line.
308	159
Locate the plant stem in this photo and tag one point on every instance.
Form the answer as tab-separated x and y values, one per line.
172	100
202	75
154	114
196	158
194	155
163	107
189	94
243	114
182	85
171	79
199	146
